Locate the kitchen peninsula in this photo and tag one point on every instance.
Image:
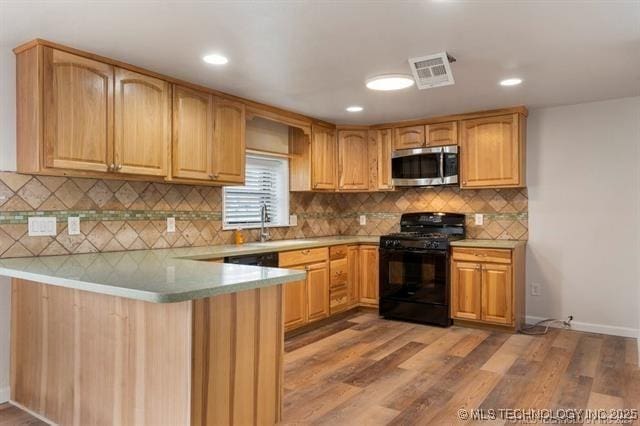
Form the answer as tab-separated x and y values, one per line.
147	337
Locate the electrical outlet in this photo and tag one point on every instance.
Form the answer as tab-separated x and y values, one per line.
73	225
479	219
363	220
171	224
293	220
536	289
42	226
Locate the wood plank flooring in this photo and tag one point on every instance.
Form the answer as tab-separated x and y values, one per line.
370	371
363	370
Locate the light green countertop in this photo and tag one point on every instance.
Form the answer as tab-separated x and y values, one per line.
166	275
497	244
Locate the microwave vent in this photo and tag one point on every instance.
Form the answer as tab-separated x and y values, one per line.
432	71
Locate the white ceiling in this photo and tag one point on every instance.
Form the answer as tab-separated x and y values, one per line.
313	57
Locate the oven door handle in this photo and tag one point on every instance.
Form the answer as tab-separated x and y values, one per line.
384	251
442	166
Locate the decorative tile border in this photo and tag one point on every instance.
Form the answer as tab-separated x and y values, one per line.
108	215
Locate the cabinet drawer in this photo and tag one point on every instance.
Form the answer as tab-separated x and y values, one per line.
300	257
338	272
339	300
337	252
481	255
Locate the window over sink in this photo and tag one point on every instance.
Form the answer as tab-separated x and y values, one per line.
266	183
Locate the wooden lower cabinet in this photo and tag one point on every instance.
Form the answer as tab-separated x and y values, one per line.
338	278
496	293
368	266
353	278
488	291
466	285
306	301
295	304
317	291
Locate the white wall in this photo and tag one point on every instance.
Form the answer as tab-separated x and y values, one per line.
7	162
584	216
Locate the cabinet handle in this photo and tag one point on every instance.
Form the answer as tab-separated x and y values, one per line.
305	252
119	167
111	167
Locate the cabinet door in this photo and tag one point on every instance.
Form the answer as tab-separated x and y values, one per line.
323	158
142	124
229	144
385	141
318	291
192	144
78	112
353	160
409	137
466	283
353	277
295	304
369	277
490	152
497	300
442	134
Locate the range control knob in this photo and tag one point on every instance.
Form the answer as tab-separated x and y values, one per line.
431	244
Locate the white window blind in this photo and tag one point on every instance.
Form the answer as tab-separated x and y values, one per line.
266	182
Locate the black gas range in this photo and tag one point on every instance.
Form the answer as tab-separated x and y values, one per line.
414	267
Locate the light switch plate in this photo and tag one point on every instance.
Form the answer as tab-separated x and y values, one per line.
73	225
171	224
293	220
363	219
479	219
42	227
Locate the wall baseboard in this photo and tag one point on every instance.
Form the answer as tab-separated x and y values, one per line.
5	394
595	328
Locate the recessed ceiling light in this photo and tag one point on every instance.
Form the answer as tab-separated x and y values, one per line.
354	108
215	59
511	82
390	82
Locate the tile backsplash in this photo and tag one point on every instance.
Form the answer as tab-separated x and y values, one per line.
121	215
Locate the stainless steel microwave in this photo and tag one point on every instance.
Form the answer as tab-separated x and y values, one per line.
425	166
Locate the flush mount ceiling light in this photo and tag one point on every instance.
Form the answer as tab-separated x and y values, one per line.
215	59
511	82
354	108
390	82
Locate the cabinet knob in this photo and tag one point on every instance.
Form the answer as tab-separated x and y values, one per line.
305	252
119	166
111	167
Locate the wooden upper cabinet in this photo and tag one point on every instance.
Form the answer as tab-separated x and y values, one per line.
229	141
385	147
497	298
442	134
409	137
77	112
323	158
492	152
353	170
142	124
192	144
466	290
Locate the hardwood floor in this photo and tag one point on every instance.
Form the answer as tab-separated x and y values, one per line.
366	370
13	416
369	371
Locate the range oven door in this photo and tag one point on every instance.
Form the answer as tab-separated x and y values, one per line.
420	276
425	166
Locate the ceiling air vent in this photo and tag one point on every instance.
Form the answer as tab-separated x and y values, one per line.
433	70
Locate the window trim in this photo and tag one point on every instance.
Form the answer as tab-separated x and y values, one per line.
286	195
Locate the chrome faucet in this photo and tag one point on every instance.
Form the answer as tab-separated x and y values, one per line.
264	232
